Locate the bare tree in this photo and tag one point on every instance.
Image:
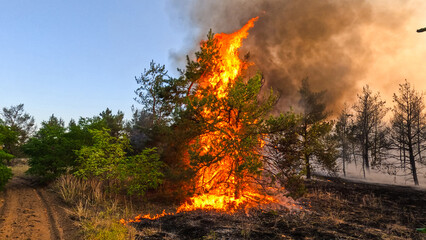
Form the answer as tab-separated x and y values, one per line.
408	124
369	112
343	132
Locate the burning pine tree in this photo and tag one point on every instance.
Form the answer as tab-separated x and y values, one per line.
224	115
225	106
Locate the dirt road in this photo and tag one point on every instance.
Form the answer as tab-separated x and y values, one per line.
28	211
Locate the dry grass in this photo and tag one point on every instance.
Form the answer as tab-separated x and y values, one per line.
98	213
370	200
73	189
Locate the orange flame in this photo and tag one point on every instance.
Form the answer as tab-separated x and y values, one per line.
216	183
231	65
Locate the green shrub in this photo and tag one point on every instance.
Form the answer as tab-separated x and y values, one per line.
102	160
107	160
5	175
48	151
4	156
142	172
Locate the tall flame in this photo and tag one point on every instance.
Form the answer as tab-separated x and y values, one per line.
230	66
217	184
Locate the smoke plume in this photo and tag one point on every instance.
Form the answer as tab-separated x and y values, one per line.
337	44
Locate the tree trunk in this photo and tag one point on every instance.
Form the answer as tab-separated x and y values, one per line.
363	168
400	150
353	154
418	138
308	167
306	155
413	165
411	155
344	158
404	155
365	154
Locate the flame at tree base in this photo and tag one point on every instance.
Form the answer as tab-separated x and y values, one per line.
228	204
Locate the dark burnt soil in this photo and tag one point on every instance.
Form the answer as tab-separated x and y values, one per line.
334	209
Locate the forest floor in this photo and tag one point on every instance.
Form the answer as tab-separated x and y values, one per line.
333	209
30	211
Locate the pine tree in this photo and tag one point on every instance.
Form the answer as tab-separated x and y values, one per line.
369	125
316	131
408	124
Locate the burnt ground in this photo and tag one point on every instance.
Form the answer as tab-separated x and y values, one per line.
334	209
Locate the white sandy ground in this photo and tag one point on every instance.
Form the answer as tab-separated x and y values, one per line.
395	177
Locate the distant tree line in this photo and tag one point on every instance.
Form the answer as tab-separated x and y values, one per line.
362	132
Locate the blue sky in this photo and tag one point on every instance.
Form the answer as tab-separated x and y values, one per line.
76	58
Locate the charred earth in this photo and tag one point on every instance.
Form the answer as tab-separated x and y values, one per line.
333	209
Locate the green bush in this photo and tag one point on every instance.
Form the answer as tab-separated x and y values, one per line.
5	175
142	172
103	158
4	156
48	151
52	149
107	160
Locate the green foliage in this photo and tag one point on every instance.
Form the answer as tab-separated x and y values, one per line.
6	136
318	144
19	122
5	175
238	118
312	103
103	157
48	150
289	142
158	124
5	156
52	149
284	151
110	121
8	139
107	160
142	172
159	94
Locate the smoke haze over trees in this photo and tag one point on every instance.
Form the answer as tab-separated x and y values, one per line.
334	43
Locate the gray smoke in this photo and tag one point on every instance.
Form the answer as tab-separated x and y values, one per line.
327	41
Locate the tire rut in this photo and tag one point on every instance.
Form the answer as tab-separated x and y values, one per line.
26	214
